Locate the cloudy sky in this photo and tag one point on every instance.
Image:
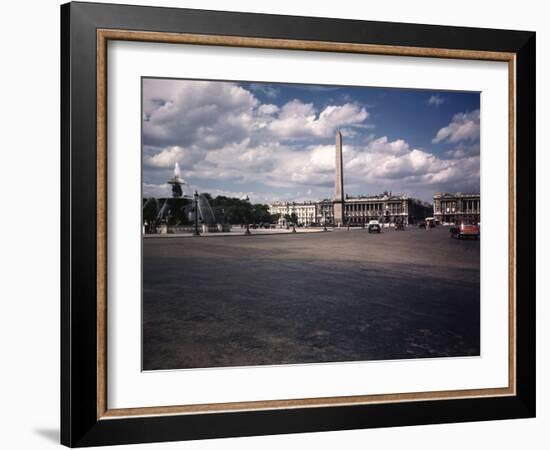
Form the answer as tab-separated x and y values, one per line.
276	141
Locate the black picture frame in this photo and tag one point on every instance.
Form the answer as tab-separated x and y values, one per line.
80	425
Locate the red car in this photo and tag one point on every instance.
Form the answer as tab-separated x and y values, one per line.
465	231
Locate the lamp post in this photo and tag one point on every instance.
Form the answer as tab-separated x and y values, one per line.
324	220
196	232
248	217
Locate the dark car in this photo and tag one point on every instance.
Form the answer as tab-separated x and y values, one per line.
374	226
422	225
465	231
399	227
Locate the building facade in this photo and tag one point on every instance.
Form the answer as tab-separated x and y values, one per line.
457	208
386	208
305	211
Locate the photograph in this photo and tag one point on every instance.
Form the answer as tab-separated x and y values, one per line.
271	226
303	224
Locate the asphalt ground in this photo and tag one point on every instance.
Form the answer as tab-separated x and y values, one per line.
309	298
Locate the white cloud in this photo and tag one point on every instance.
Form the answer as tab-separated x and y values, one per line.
268	109
462	151
413	163
436	100
298	120
241	157
322	157
463	127
212	114
395	163
221	132
156	190
382	145
381	162
183	113
167	157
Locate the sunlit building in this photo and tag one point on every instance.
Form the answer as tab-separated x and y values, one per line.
386	208
457	208
305	212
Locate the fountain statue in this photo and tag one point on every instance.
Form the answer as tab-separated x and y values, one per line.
177	182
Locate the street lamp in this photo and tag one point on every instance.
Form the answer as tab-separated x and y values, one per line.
196	197
248	216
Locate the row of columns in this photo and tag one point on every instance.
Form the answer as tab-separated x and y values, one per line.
394	208
466	206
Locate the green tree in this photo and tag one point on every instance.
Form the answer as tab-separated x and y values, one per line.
274	218
261	213
291	218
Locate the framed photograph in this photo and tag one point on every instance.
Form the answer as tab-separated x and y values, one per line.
276	224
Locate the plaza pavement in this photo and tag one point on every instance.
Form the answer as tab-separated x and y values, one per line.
236	231
309	297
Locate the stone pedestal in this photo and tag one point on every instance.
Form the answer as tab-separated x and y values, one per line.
338	213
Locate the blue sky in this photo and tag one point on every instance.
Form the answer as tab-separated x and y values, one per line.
271	141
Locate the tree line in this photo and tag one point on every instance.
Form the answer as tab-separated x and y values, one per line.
240	211
228	210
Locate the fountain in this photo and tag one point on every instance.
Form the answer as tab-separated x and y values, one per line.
182	212
205	211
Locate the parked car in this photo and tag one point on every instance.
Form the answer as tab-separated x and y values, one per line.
399	227
465	231
422	225
374	226
430	222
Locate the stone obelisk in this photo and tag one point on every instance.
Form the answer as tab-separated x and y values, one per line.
339	184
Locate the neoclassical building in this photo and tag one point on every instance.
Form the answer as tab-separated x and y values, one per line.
457	208
386	208
305	211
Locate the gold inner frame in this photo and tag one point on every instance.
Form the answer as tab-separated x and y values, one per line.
104	35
